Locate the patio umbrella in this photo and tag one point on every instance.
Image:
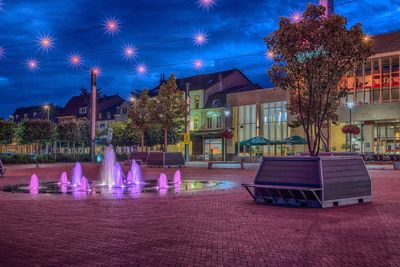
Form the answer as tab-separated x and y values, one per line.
295	140
256	141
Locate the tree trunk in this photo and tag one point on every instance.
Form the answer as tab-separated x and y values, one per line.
165	140
142	140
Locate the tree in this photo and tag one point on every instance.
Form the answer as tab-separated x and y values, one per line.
311	57
39	131
122	134
140	115
169	108
7	131
73	132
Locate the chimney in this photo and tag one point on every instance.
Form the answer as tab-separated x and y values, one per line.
328	4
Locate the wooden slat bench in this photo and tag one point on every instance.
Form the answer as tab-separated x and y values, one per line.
211	163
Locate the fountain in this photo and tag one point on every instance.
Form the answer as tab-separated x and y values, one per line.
177	178
34	183
76	174
129	178
63	182
162	181
107	170
63	179
113	182
136	173
118	175
84	185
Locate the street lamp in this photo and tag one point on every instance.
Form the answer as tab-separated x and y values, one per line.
350	106
227	113
47	108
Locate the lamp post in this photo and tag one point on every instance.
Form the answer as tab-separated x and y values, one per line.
227	113
93	112
187	119
47	108
350	106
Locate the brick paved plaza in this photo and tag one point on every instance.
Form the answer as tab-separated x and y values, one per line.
209	228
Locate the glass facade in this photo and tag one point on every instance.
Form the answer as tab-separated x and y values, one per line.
387	138
247	122
275	127
375	81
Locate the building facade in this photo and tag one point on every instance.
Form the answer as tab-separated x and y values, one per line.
375	91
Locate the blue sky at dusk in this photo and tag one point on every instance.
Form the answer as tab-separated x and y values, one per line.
162	31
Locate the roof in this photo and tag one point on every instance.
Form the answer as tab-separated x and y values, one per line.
71	109
218	100
36	112
103	103
109	102
387	42
201	81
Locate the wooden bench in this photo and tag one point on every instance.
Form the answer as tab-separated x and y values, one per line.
210	163
2	169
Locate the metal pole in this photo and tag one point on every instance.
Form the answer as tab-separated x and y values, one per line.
350	133
225	140
93	113
187	119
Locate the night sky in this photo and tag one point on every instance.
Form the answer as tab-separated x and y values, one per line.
162	30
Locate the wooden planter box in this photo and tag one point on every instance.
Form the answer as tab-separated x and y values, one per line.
311	181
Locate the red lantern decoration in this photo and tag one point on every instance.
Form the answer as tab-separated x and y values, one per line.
351	129
227	134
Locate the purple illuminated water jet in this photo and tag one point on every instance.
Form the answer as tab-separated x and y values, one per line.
107	169
177	178
76	174
84	184
34	183
136	173
118	175
162	181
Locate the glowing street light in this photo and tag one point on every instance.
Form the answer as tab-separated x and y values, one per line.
141	69
269	54
75	60
296	17
198	64
96	70
206	4
200	38
111	26
32	64
129	52
45	42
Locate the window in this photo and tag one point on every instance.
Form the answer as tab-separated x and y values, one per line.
100	116
247	127
209	122
124	110
196	122
196	102
82	110
219	122
108	115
